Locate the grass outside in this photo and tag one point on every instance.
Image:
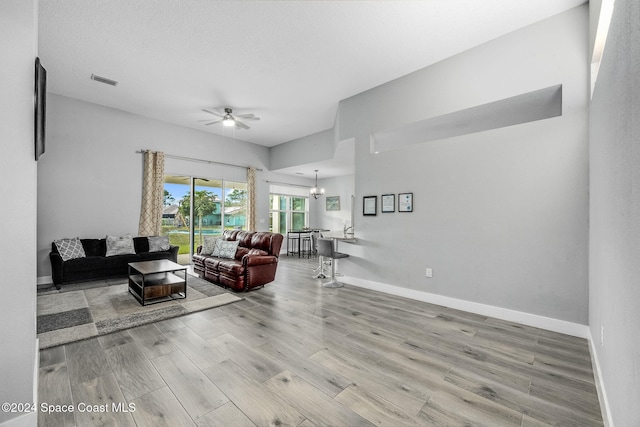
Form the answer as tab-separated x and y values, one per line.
180	236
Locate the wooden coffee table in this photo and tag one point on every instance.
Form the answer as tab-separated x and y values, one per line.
155	281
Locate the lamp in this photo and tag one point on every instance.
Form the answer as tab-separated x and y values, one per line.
315	191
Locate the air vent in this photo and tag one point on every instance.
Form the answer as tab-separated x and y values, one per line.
104	80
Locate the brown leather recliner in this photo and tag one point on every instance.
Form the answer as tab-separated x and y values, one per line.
255	262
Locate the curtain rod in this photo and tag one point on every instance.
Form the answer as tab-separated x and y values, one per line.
286	183
191	159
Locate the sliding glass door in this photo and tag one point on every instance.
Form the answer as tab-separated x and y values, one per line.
213	204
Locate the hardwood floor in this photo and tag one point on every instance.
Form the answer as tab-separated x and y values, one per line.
295	353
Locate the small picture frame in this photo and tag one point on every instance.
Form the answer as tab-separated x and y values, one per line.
333	203
388	203
369	205
405	202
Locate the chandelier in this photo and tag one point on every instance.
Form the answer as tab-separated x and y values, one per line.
315	191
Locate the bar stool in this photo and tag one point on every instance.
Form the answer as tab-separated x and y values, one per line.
322	263
305	245
326	250
293	243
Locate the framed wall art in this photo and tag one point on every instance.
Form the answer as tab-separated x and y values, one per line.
40	108
333	203
388	203
405	202
369	205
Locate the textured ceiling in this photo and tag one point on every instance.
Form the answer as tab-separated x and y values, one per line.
288	62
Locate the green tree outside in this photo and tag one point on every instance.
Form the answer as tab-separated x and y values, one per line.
203	204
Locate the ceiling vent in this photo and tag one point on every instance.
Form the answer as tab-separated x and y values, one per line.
104	80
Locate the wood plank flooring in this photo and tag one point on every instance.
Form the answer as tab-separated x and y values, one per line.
297	354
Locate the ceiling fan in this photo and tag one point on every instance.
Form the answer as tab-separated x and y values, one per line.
228	119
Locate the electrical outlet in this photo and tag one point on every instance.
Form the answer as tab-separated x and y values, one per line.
429	272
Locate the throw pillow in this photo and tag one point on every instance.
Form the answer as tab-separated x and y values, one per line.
216	247
120	245
70	248
228	248
158	243
209	245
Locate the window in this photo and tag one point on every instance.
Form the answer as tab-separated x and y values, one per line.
216	205
288	212
235	205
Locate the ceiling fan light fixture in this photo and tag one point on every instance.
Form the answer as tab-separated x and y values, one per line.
228	120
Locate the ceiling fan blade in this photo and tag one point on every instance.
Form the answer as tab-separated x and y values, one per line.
245	116
250	118
212	112
241	125
213	122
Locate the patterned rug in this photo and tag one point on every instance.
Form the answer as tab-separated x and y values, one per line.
84	310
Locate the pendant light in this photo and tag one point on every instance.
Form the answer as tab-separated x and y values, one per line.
315	191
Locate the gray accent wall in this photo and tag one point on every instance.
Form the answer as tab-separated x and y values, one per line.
18	172
501	216
614	258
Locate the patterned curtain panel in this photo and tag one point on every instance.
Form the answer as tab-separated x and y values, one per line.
152	192
251	199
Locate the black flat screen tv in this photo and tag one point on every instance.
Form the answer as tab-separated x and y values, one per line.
40	108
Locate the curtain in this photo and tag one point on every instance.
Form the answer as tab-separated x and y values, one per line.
152	194
251	199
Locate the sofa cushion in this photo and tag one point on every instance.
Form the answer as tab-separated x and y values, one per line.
94	247
209	245
90	263
244	237
119	262
120	245
151	256
227	249
70	248
211	264
158	243
231	268
258	252
140	244
216	248
262	241
241	252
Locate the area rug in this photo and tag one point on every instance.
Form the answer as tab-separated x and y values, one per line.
85	310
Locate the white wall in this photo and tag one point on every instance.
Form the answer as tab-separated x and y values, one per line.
614	272
500	216
90	180
311	148
18	50
342	186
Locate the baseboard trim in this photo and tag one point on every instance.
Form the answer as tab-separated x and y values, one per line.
550	324
597	374
45	280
